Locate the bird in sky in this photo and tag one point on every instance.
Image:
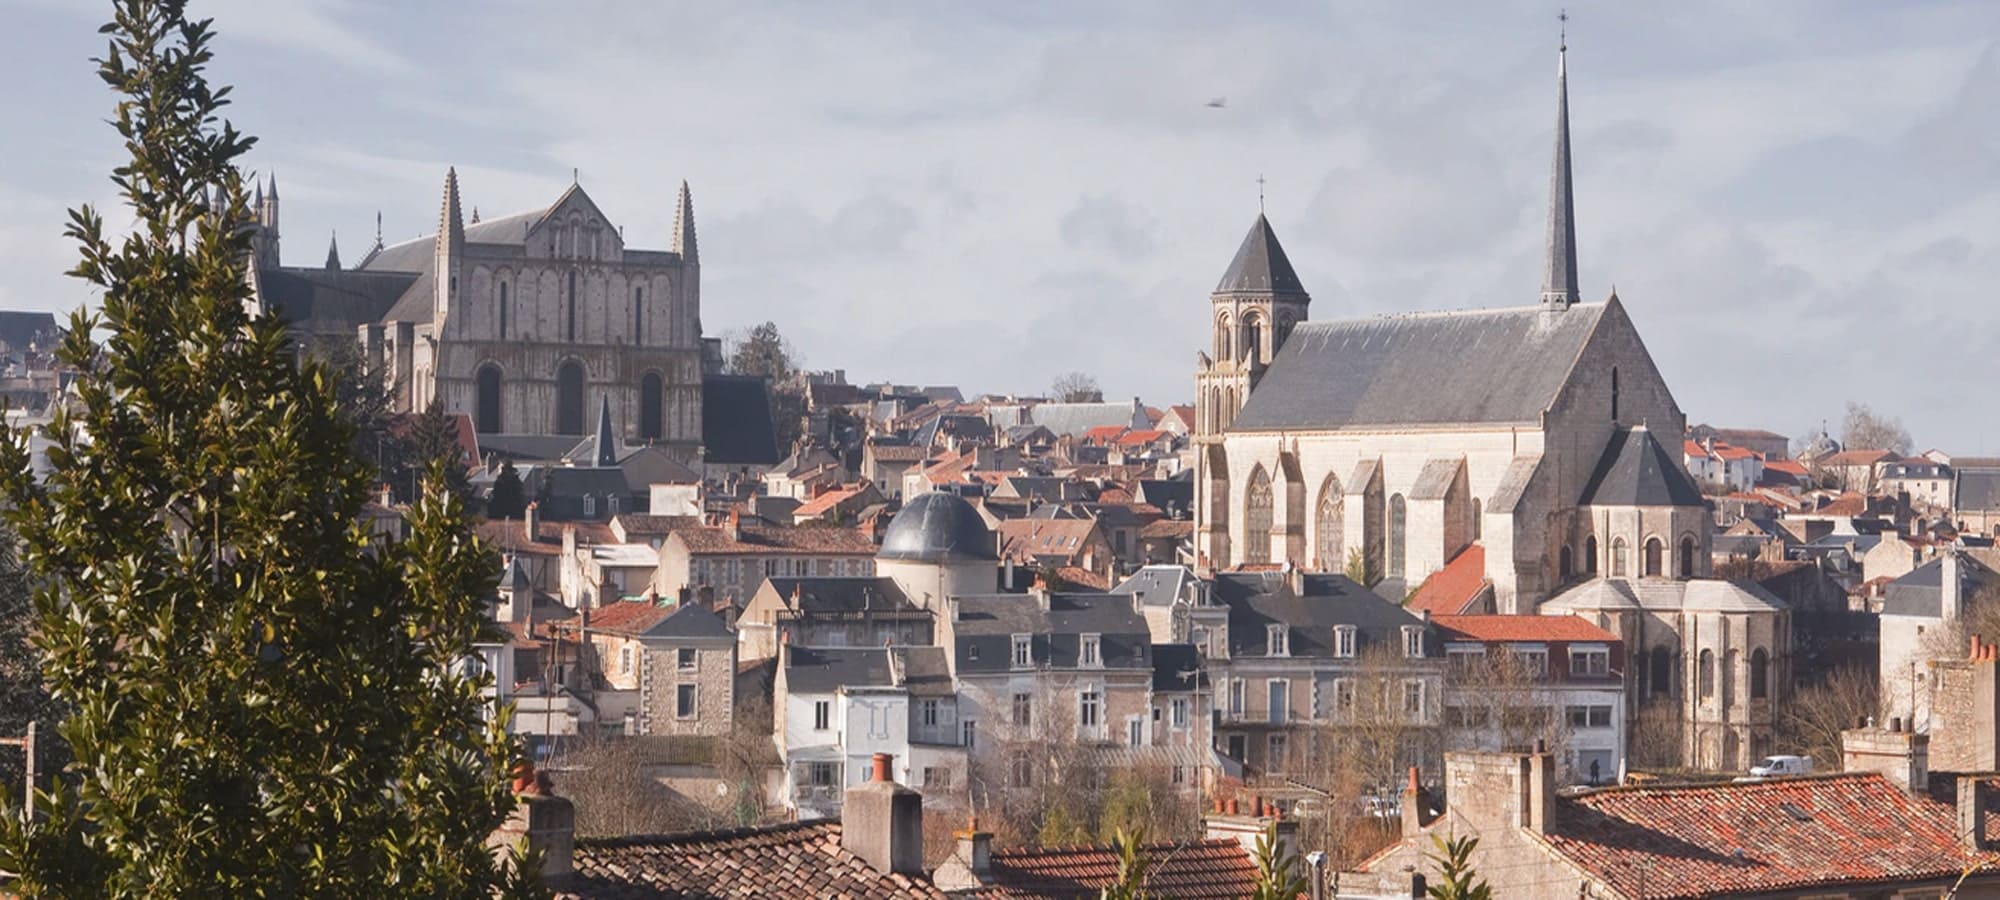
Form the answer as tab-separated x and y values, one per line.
1218	103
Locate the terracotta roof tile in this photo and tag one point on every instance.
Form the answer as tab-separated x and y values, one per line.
1197	870
1759	838
1167	528
1520	628
1140	437
1451	589
801	860
1857	458
826	501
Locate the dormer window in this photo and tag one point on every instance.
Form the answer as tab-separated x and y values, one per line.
1343	641
1089	652
1023	651
1413	641
1275	641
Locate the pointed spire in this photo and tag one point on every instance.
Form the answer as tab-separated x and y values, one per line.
258	201
684	242
333	252
606	454
378	229
475	217
451	225
1559	289
1260	266
274	184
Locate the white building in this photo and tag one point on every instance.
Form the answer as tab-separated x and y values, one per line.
837	708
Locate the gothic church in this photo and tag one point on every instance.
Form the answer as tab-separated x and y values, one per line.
524	323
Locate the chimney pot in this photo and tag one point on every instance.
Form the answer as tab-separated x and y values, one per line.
882	773
1895	724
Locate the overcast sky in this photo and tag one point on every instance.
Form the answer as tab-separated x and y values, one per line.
1799	202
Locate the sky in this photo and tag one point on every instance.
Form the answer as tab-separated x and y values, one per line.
1798	202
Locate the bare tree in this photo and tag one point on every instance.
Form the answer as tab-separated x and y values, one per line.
1866	429
1076	387
1657	733
1361	750
1812	723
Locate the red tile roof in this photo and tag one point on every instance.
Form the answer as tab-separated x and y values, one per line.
1102	434
1132	438
1756	838
1848	504
1857	458
1023	538
1451	589
1727	451
627	616
826	501
1082	577
1787	466
1167	528
1215	869
800	860
1693	450
1520	628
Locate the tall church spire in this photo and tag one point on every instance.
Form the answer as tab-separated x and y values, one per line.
333	252
606	455
684	242
1559	281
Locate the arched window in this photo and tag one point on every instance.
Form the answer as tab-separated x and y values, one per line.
638	316
1476	517
1663	672
569	398
1590	555
1327	525
1760	671
569	316
1246	342
1655	557
1222	338
1398	532
1568	567
486	408
1614	393
503	310
649	407
1705	675
1618	557
1257	518
1228	407
1687	557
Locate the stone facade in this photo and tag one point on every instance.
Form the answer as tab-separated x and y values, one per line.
663	676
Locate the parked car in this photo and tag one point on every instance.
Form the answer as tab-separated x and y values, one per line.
1776	766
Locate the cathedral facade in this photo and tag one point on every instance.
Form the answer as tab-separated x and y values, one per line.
525	323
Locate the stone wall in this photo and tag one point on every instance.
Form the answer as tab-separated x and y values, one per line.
714	678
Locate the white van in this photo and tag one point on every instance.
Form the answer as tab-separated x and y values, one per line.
1776	766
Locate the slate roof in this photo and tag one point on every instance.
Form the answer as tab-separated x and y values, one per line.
1759	838
1976	489
1076	418
1161	584
830	595
769	540
1260	265
986	624
19	329
736	421
327	295
1663	594
825	670
1208	869
1636	471
938	527
1920	592
802	859
1451	368
1259	599
1178	668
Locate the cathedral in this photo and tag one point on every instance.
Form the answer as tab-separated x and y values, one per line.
524	322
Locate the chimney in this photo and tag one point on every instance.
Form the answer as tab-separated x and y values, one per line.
540	820
971	863
386	496
1899	755
882	822
733	526
1540	789
1245	830
1950	597
531	517
1010	573
1975	794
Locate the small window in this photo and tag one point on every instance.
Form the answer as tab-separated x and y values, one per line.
1274	756
1023	774
1024	710
1135	732
1023	651
1343	641
930	711
1236	697
1274	636
684	697
968	733
1413	699
1589	661
1089	703
686	659
822	715
1343	696
1413	641
937	777
1177	712
1087	654
625	660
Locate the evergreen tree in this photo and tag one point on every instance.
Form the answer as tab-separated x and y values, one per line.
433	438
265	699
509	499
23	696
1456	880
1278	875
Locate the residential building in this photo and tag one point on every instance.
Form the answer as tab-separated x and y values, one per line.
838	505
1855	470
831	612
664	669
1770	445
1927	483
884	465
838	708
723	566
1515	680
1917	608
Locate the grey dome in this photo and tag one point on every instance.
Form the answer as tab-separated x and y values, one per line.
938	527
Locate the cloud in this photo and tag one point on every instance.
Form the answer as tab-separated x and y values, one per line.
1109	225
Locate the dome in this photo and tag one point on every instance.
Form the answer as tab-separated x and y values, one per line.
938	527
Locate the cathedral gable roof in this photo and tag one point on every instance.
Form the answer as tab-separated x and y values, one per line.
339	295
1474	367
1260	266
1636	471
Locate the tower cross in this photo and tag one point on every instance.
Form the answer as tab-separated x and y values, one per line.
1562	29
1260	194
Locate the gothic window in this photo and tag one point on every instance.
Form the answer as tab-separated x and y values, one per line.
1655	557
569	398
1618	557
1687	557
1760	671
1705	675
1257	518
1568	563
1222	335
503	310
639	315
569	328
1327	525
487	407
1614	393
1398	534
1663	671
649	407
1590	555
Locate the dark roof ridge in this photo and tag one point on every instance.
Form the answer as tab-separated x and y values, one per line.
720	834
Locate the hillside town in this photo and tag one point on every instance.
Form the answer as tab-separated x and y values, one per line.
1378	602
